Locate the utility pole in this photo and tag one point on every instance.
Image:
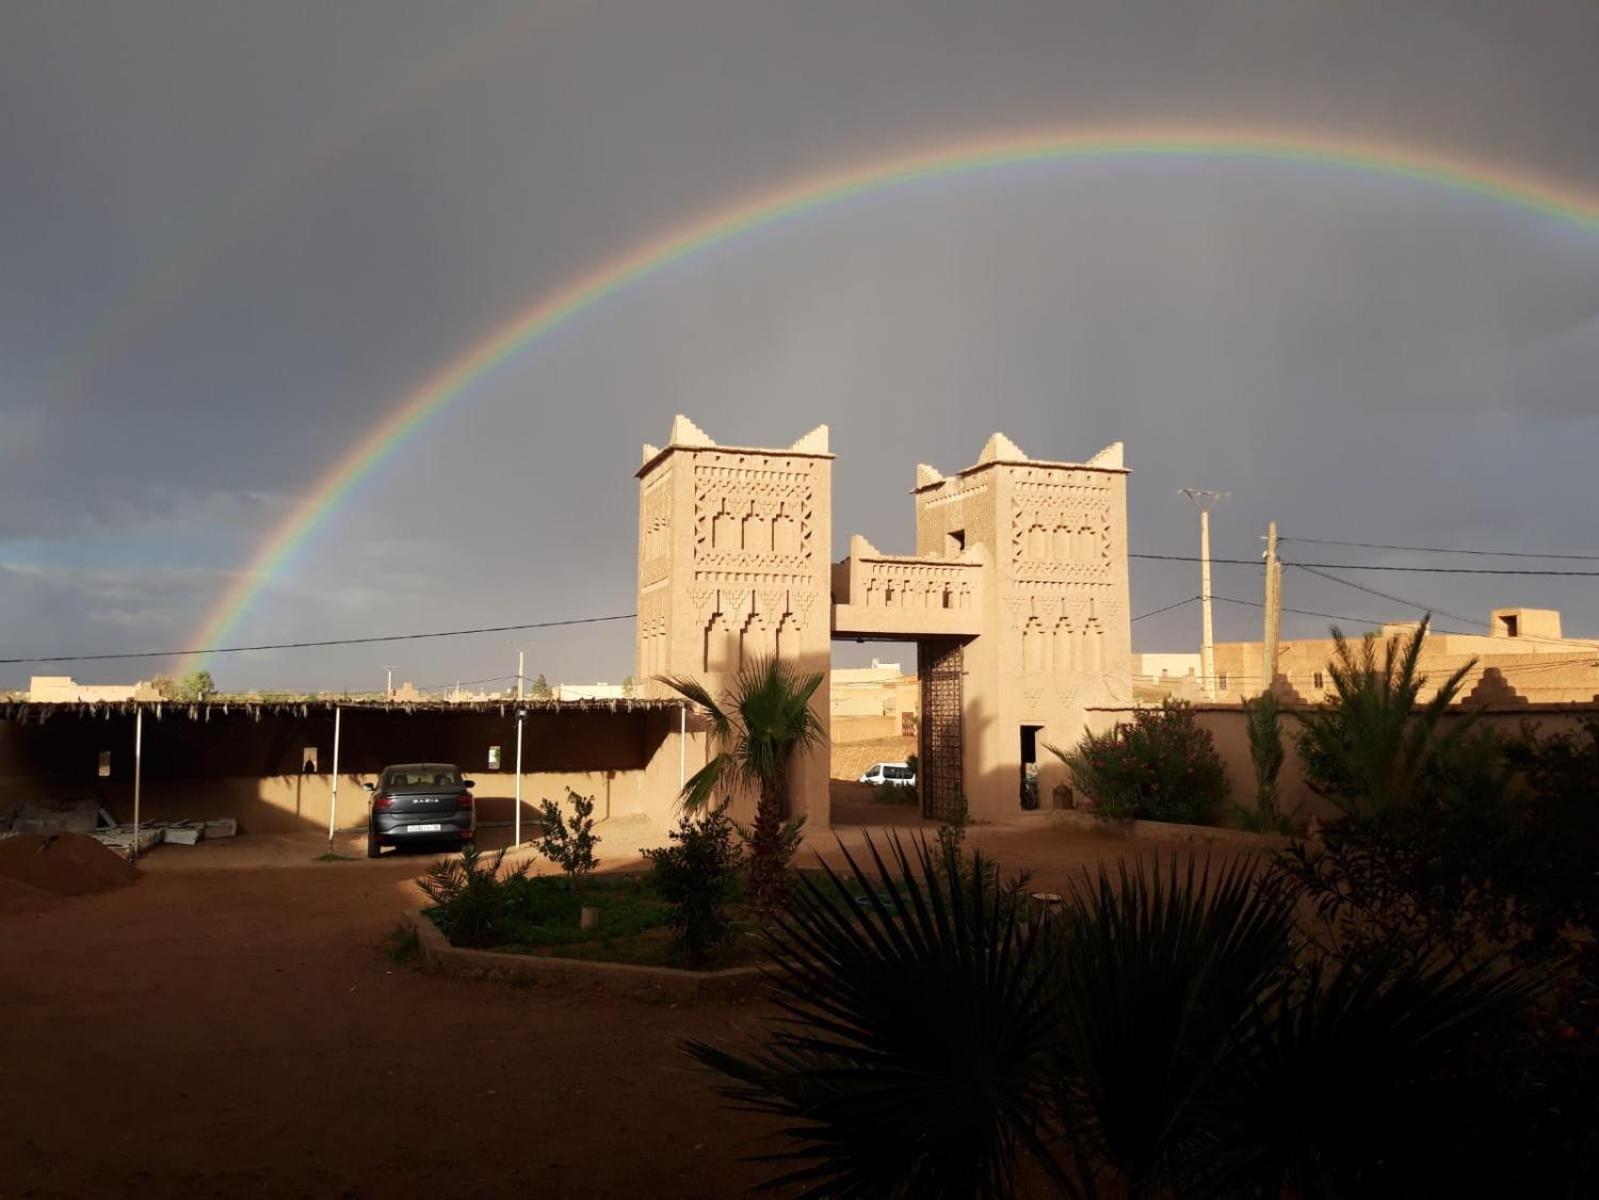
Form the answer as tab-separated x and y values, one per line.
1204	501
388	690
1274	607
520	663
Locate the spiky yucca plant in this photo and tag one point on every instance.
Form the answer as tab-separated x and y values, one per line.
912	1060
1161	966
757	729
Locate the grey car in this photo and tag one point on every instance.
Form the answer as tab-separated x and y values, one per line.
416	803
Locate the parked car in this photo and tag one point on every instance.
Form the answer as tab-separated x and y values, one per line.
413	803
895	772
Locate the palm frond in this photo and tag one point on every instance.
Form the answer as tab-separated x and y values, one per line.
911	1056
1348	1080
699	696
1161	966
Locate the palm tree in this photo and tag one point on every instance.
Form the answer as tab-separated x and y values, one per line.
757	729
1371	746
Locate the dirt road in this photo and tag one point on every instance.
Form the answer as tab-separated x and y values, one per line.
229	1026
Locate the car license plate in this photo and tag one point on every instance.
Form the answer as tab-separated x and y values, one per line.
424	828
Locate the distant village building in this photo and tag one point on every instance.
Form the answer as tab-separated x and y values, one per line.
1165	676
1524	659
873	702
63	689
591	691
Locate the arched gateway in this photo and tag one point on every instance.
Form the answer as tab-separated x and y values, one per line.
1017	597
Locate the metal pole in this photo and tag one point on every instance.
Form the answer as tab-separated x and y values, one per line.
682	747
138	772
519	665
516	821
333	801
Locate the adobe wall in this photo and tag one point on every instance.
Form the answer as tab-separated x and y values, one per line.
1228	727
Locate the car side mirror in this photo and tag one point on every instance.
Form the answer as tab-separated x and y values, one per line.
469	782
370	787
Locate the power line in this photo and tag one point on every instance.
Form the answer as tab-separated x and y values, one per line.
1442	549
1305	612
360	641
1431	608
1157	611
1252	562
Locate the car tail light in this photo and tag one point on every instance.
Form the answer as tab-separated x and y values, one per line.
464	800
379	800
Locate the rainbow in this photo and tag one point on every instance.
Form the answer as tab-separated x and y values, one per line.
1516	187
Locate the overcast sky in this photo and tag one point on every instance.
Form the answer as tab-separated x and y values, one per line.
232	236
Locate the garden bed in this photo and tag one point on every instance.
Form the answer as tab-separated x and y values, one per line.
658	983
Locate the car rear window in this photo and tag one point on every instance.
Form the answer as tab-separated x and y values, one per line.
427	777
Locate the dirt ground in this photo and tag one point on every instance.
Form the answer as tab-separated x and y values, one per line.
229	1026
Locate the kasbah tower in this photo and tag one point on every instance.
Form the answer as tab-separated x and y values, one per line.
1016	597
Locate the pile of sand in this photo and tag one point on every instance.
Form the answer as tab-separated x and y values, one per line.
65	864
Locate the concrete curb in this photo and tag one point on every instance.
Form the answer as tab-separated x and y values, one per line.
660	984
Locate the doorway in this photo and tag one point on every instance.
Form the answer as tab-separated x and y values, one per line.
1029	772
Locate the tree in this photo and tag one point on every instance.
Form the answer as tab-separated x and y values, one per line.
1371	746
763	722
629	687
195	686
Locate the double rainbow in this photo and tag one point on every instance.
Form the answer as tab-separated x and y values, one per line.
1516	187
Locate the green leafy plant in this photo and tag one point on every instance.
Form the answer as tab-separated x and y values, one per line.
697	874
759	728
470	895
1162	1035
912	1059
1159	766
569	844
894	793
402	945
1162	964
1266	754
1369	748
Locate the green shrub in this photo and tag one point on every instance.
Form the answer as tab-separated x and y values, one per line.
1160	766
1264	724
569	846
913	1057
1159	1037
470	897
894	793
1371	746
697	875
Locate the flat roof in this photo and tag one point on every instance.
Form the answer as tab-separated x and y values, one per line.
25	710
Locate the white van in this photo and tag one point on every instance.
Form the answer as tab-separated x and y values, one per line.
894	772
